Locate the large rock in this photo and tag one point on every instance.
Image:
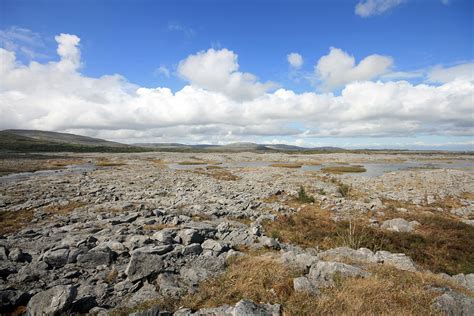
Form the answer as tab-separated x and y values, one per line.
398	260
323	273
54	301
466	280
190	236
143	264
454	304
302	260
215	246
95	257
57	257
303	284
399	225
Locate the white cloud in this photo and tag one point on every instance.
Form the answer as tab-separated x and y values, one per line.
338	68
217	70
68	51
22	41
56	96
442	75
162	70
367	8
295	60
178	27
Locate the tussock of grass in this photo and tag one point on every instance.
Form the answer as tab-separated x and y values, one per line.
286	165
303	197
343	169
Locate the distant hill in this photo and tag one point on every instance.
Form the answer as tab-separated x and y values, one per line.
43	141
63	138
238	147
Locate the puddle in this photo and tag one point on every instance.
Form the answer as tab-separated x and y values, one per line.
72	169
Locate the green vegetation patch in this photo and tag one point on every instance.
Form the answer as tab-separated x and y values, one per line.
343	169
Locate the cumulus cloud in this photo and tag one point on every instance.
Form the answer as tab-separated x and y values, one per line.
338	68
295	60
217	70
56	96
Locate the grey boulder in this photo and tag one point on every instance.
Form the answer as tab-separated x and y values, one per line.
54	301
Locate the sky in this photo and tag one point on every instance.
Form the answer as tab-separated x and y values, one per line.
347	73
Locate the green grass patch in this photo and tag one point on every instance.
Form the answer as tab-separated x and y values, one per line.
343	169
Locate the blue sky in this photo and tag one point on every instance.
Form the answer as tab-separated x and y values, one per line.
145	42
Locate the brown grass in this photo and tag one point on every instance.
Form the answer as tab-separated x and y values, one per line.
218	174
343	169
440	244
191	163
387	292
260	279
157	226
263	279
62	209
286	165
111	276
11	222
14	221
108	163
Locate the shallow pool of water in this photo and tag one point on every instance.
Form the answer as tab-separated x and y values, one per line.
373	169
72	169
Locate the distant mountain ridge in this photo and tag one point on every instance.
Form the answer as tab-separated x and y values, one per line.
34	140
63	138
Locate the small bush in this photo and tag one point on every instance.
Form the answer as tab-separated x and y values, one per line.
303	197
344	189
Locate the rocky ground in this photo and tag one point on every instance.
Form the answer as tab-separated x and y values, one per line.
129	234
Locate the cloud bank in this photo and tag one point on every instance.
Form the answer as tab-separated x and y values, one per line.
222	104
